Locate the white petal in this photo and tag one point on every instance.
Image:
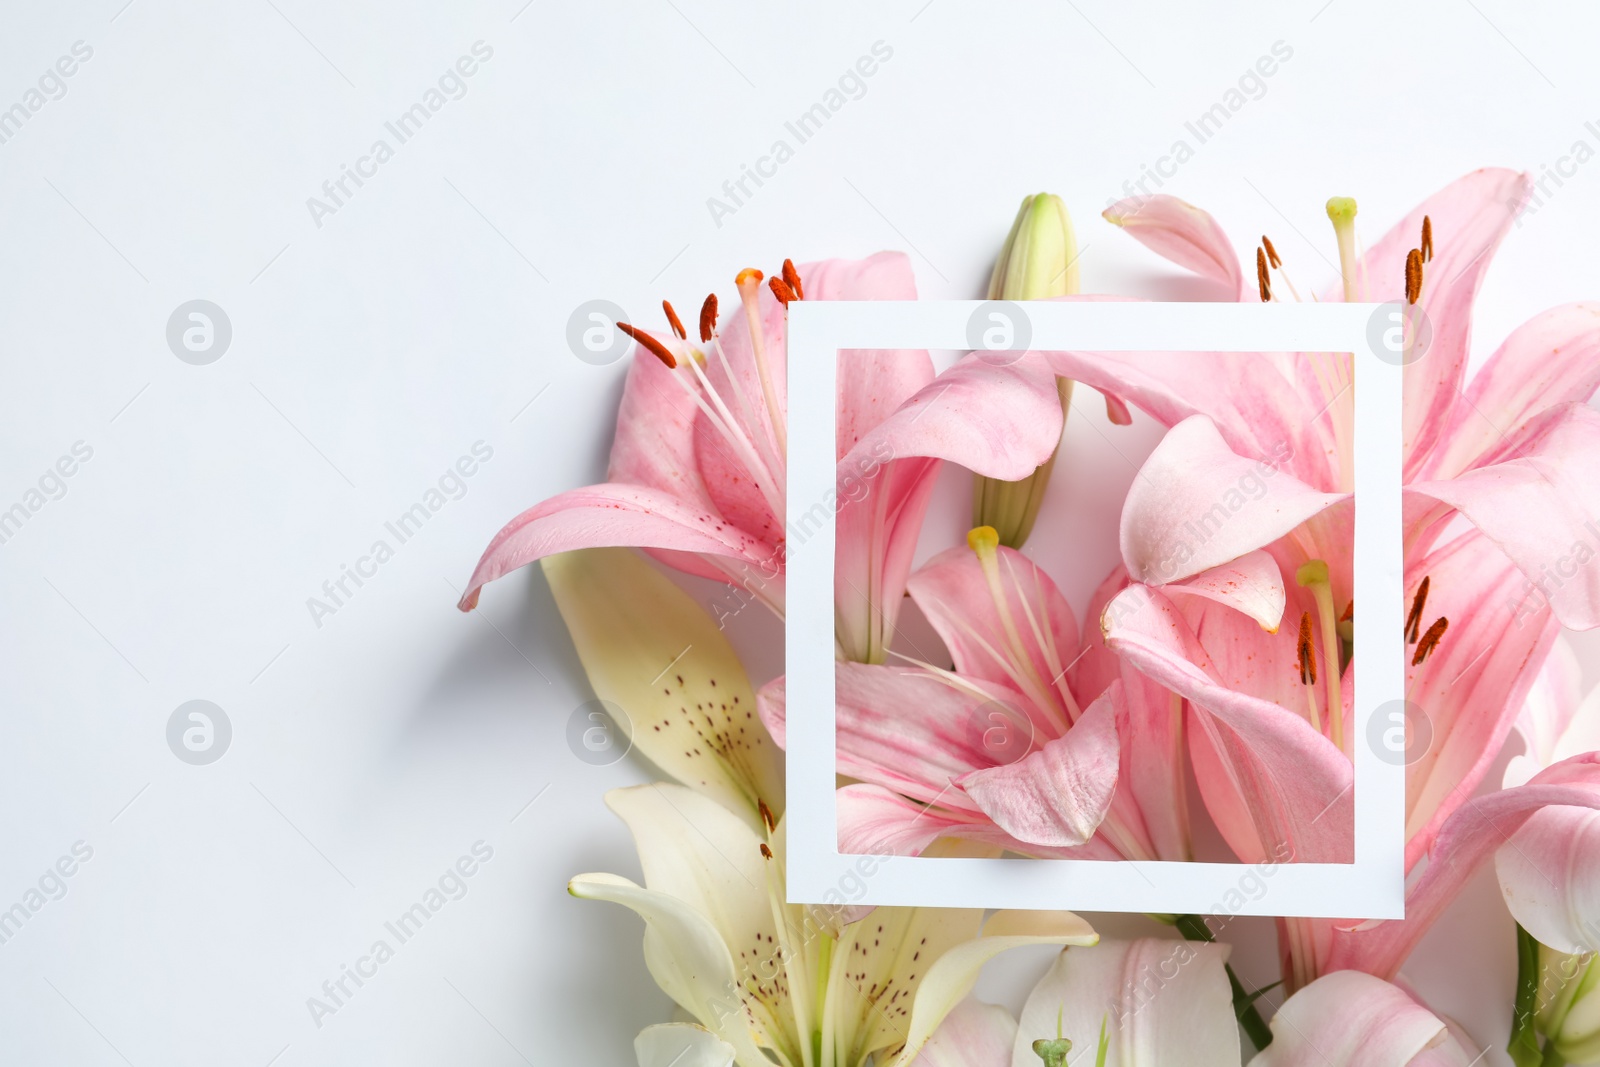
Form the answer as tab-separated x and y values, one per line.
685	955
653	652
952	977
681	1045
1161	1002
697	851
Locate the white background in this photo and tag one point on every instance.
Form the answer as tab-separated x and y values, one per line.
429	313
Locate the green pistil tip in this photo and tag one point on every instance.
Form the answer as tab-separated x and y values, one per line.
1341	209
1313	572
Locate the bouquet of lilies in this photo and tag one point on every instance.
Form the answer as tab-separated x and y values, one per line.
1217	657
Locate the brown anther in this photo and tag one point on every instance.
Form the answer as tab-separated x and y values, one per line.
766	816
1308	653
1349	612
1414	619
1413	276
1427	239
1261	276
1272	253
675	322
656	347
708	318
792	277
765	851
781	290
1430	640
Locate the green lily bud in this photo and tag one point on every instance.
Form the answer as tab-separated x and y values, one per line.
1039	261
1568	1005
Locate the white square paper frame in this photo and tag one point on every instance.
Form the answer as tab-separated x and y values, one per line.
1372	887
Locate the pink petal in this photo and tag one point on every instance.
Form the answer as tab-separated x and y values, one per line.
1251	584
1151	802
1263	810
880	507
1350	1019
1548	711
1468	837
874	821
1470	217
905	728
954	595
975	1034
1196	504
1542	507
1471	687
998	421
1550	876
607	515
1184	234
1550	360
1059	794
654	445
1259	401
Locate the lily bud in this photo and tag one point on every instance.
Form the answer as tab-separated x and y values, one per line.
1569	1005
1039	260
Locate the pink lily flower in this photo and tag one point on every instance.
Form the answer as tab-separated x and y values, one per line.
1550	869
1500	452
698	466
1350	1019
1034	742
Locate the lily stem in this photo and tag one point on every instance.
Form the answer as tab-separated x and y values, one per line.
1194	928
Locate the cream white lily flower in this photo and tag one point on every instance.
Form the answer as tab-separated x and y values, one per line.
652	652
776	983
1146	1003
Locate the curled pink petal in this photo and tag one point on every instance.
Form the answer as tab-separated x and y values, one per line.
1184	234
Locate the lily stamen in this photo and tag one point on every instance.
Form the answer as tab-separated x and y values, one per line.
781	290
673	321
1314	575
657	349
791	278
1427	239
1413	276
1262	278
749	282
1306	651
1414	620
1430	641
708	318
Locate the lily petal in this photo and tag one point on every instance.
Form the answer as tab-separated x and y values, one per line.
975	1034
1161	1002
695	718
1471	686
1196	504
910	730
1550	360
1059	794
1183	233
1251	584
685	955
1242	744
1550	708
1542	507
1470	217
681	1045
998	421
1350	1019
954	594
1550	876
607	515
954	973
1467	838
